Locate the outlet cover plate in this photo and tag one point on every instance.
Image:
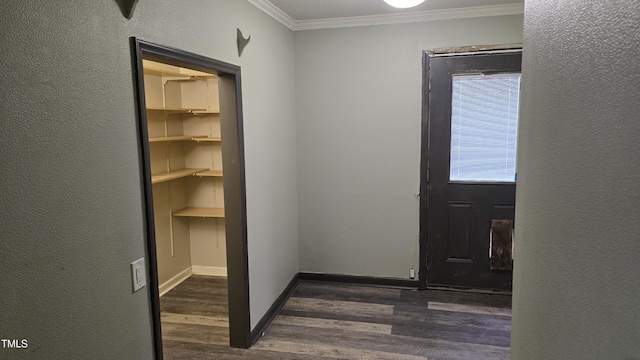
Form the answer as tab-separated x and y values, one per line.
138	275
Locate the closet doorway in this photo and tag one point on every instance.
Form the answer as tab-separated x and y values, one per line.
192	165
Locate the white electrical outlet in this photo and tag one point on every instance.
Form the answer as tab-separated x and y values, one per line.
138	276
412	273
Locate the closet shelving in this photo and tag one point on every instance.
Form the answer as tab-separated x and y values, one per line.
175	174
185	149
201	212
178	110
209	173
200	138
171	96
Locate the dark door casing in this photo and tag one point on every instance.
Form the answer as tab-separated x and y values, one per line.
231	122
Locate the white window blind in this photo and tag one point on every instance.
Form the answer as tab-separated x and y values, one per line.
484	127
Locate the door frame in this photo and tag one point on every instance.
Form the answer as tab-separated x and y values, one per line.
427	56
231	122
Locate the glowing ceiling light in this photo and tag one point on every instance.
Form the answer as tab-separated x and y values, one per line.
403	4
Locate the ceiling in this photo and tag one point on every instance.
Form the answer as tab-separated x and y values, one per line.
315	14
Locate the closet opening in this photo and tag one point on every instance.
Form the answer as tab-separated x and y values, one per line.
192	165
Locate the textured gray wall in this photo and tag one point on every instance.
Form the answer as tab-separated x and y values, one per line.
72	219
577	275
358	107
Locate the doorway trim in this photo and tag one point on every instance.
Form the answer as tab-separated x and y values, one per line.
231	122
425	133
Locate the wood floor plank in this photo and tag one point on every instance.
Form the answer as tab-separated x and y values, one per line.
341	317
398	344
187	295
199	289
453	333
197	292
355	293
217	321
330	351
195	333
177	350
469	308
455	297
333	324
193	307
340	307
468	322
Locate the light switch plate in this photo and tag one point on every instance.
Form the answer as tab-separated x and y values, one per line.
138	275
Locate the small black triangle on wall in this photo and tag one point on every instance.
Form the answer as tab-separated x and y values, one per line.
127	7
242	42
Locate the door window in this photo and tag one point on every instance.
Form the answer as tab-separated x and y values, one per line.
484	127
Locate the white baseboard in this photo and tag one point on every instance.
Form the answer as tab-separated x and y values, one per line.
209	270
175	281
194	270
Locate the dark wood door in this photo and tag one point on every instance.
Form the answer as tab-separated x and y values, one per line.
469	174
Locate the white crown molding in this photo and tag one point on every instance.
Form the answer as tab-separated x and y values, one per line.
433	15
410	17
268	8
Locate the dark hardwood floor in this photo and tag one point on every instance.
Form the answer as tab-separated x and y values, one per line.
335	321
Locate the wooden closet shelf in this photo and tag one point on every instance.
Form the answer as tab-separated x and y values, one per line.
200	212
206	138
209	173
184	73
171	138
205	112
196	138
175	110
176	174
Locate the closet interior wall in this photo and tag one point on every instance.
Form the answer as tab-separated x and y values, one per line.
183	119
